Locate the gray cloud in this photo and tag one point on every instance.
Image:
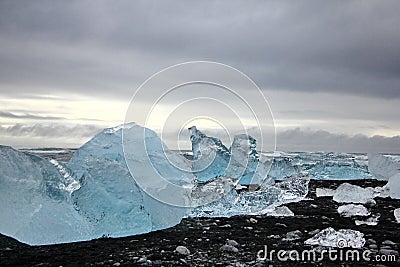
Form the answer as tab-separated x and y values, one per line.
50	130
11	115
109	48
308	140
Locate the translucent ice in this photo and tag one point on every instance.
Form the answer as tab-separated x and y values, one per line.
325	192
383	166
392	188
372	221
116	195
348	193
94	194
262	201
351	210
212	159
36	207
343	238
281	211
210	156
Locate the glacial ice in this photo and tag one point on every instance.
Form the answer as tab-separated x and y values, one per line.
281	211
383	166
262	201
351	210
348	193
332	166
371	221
343	238
94	194
212	159
36	205
392	188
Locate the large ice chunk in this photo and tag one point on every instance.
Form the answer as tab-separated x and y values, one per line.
343	238
212	159
35	201
383	166
210	156
94	195
115	194
348	193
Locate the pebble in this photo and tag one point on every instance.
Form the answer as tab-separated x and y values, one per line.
252	220
182	250
370	241
388	242
117	264
226	226
281	225
373	246
294	235
229	248
388	252
231	242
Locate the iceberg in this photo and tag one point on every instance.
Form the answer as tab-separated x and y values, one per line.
210	156
36	204
332	166
212	159
94	194
351	210
383	166
343	238
348	193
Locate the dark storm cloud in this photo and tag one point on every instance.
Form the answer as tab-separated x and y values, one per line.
110	47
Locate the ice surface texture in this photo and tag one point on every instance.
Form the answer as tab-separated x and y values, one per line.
383	166
94	195
212	159
262	201
36	205
342	238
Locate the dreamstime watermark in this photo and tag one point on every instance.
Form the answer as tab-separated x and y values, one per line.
317	255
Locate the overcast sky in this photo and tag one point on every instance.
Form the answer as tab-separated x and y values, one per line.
329	69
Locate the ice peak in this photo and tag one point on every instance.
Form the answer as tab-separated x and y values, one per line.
115	129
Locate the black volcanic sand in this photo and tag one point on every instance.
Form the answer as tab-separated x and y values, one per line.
205	236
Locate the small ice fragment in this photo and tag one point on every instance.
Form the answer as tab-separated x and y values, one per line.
348	193
396	213
342	238
351	210
372	221
325	192
281	211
